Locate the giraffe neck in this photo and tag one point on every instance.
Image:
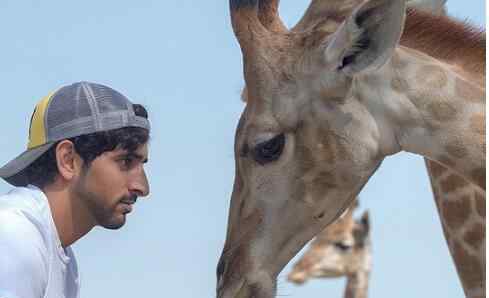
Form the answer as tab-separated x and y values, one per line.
427	108
461	206
357	285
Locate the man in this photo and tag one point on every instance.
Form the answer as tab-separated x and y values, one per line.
83	168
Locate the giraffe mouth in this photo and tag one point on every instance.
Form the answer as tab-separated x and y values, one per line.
329	274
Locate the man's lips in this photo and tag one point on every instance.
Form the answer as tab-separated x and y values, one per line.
128	202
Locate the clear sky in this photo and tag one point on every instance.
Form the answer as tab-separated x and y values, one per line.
181	60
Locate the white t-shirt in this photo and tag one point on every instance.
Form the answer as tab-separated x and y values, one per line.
33	264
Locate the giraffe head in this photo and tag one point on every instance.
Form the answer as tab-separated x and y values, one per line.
341	249
305	144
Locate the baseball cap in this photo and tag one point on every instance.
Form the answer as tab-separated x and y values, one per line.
78	109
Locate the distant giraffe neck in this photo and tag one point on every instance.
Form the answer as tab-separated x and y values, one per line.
462	206
357	284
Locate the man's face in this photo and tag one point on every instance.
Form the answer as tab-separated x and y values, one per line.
111	185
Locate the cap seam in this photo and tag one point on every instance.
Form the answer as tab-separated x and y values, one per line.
93	105
85	123
45	120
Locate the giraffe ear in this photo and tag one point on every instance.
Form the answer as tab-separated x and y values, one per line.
361	231
367	38
365	222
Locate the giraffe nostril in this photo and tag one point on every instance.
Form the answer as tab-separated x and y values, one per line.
220	268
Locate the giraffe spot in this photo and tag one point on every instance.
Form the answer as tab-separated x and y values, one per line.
431	76
479	176
305	159
325	178
322	184
333	96
435	105
328	152
475	236
480	203
342	149
446	161
441	110
435	169
468	91
456	149
470	268
456	212
478	124
346	178
453	182
399	84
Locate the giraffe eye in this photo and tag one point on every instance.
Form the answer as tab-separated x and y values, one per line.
343	247
270	150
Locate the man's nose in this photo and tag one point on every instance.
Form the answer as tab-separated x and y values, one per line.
139	184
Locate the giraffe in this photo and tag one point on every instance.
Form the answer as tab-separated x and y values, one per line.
327	101
442	179
341	249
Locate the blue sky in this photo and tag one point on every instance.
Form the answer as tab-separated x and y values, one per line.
181	60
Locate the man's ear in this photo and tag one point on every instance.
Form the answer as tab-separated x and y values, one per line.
368	37
68	161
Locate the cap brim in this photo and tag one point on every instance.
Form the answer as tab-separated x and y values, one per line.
13	172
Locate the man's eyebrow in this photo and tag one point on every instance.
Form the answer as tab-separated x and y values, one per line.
134	155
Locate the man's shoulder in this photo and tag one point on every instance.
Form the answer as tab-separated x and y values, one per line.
27	198
18	228
22	217
24	254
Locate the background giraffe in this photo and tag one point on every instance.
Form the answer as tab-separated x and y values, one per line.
341	249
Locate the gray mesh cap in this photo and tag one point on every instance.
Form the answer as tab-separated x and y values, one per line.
78	109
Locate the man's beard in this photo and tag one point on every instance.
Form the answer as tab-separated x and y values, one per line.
105	215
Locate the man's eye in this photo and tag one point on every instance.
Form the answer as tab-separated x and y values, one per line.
126	162
270	150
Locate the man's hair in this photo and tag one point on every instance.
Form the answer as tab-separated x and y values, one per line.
44	170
